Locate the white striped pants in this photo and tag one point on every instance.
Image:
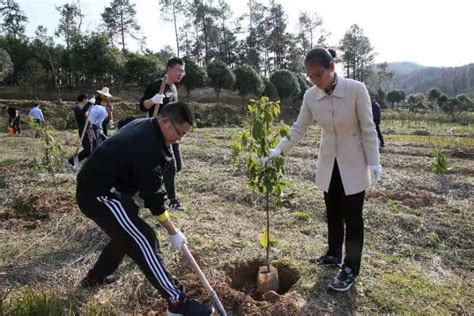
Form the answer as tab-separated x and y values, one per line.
130	235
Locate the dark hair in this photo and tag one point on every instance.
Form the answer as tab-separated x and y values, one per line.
98	97
178	112
174	61
81	97
320	56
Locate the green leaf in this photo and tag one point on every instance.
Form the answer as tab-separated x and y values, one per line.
264	239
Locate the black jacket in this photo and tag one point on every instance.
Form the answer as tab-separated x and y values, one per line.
80	115
132	160
153	88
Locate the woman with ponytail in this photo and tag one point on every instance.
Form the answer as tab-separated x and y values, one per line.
348	161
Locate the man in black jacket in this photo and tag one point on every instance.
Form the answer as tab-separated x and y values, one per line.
80	113
175	70
134	161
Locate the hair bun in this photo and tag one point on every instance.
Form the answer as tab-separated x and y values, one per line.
332	52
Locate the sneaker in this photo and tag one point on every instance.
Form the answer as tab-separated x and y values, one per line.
343	280
89	281
189	306
176	206
69	167
326	261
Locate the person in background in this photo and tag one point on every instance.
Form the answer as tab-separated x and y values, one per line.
348	159
97	116
80	114
175	69
14	119
37	116
377	115
109	120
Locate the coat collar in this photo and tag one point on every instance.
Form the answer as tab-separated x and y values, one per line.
339	90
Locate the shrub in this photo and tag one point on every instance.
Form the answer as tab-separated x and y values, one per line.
195	77
220	75
248	81
286	83
270	90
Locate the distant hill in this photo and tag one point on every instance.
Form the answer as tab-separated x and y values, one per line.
415	78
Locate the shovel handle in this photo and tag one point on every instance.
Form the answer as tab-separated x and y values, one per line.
162	89
85	128
187	254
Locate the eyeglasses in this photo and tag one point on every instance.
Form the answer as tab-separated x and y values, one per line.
180	134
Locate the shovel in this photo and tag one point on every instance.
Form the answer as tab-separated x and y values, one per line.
75	157
189	257
162	89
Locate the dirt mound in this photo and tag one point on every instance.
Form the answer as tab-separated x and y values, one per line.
463	153
32	209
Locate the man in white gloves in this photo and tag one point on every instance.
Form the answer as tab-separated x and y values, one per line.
134	160
175	71
348	160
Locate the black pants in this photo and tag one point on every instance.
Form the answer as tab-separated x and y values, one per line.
379	134
105	126
131	236
85	152
170	174
15	123
344	211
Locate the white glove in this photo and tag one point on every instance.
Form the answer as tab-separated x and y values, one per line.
92	100
375	173
177	240
267	161
157	98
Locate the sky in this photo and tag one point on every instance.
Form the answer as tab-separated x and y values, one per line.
428	32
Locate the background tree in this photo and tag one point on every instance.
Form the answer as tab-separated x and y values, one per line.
120	20
303	86
277	41
395	96
6	65
70	23
311	31
48	56
175	7
270	90
286	83
253	45
13	19
141	69
195	76
433	96
248	81
442	99
358	54
97	60
69	28
20	51
220	75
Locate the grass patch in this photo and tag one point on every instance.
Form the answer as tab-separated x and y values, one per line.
411	291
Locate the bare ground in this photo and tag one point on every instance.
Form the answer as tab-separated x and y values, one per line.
418	244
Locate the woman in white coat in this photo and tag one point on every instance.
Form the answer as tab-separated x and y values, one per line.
348	160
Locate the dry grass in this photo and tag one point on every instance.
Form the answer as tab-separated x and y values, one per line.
417	256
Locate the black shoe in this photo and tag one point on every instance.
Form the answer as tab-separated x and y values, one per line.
89	281
189	307
326	261
176	206
343	280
